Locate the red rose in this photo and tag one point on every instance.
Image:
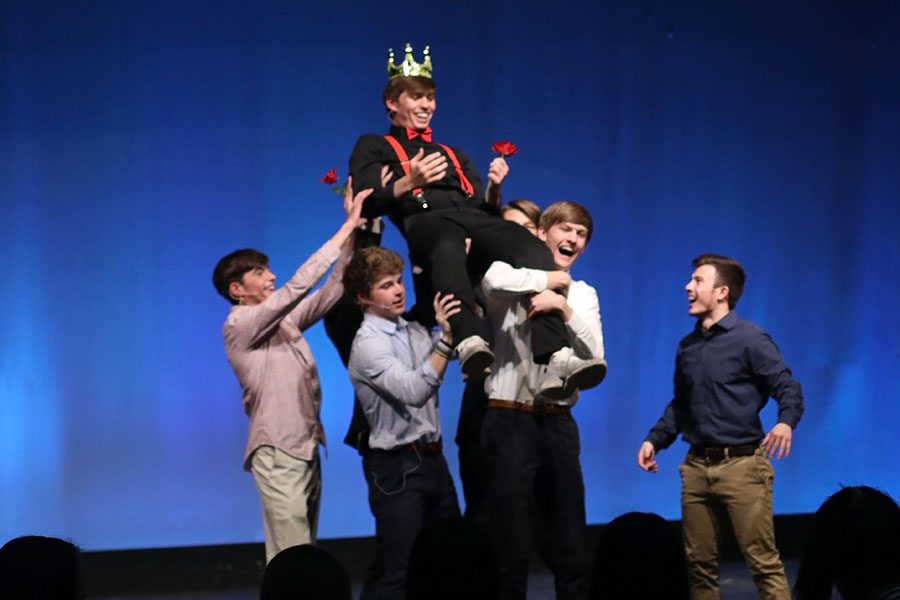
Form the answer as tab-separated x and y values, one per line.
330	177
504	148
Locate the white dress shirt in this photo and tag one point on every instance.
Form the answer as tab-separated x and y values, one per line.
514	374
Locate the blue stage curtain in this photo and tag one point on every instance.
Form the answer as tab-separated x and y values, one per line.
141	141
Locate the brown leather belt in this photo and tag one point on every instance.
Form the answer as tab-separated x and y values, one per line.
720	453
420	447
536	409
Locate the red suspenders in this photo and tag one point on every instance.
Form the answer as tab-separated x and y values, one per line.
404	162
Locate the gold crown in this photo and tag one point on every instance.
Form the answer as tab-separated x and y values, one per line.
409	67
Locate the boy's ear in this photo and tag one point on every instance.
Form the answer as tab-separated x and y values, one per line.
724	292
391	105
235	290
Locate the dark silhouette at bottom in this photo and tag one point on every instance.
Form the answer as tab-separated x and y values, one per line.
640	557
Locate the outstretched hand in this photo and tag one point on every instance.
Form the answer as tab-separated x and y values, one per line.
778	441
444	308
353	204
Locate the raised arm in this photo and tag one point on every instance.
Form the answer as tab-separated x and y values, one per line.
444	308
497	172
252	325
375	365
316	305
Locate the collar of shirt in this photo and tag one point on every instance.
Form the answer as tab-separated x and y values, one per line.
399	133
386	325
727	322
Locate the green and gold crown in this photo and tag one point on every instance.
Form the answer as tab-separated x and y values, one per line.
408	67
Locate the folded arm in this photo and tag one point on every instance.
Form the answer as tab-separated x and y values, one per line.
377	367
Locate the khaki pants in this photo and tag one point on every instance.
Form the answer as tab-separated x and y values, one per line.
289	490
738	490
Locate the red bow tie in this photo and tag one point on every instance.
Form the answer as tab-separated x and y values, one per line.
412	134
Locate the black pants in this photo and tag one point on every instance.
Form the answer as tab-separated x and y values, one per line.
406	491
535	470
473	468
437	245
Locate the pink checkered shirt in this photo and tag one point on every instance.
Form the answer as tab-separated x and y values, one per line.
273	362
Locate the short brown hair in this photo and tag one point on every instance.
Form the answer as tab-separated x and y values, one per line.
567	212
367	266
232	267
526	207
412	85
729	273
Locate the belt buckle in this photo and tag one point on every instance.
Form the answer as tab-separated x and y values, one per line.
714	455
718	454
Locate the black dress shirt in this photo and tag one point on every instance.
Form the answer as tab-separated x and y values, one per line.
372	151
723	379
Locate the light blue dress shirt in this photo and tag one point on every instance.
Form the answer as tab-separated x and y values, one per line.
395	382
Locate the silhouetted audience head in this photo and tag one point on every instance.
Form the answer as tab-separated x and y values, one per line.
854	546
40	568
305	573
452	559
639	557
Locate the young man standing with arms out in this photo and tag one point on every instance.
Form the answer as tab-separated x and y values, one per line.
530	439
281	390
725	372
437	202
396	368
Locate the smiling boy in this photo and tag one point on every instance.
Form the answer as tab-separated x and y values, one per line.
282	394
725	371
529	436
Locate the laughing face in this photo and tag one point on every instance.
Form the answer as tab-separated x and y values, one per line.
566	242
707	300
413	109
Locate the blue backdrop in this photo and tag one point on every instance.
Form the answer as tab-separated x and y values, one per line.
141	141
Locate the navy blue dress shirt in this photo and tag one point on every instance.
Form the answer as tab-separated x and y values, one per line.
723	379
